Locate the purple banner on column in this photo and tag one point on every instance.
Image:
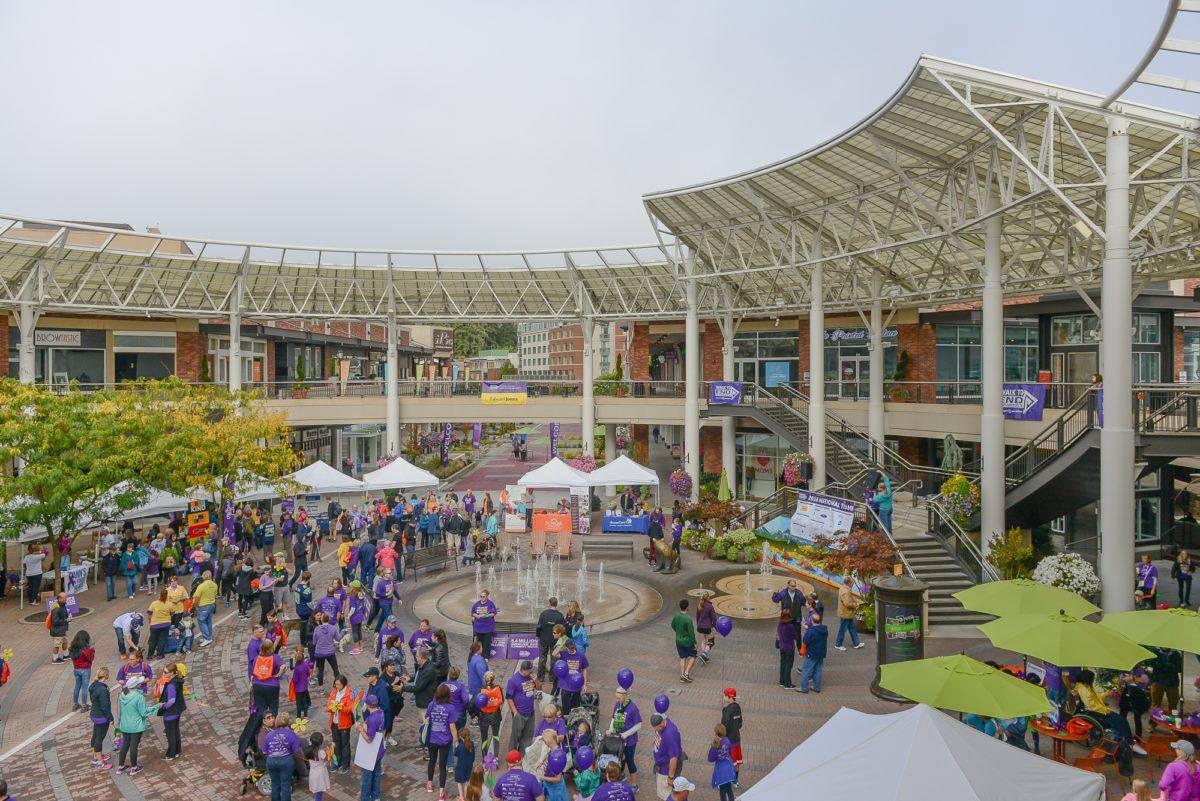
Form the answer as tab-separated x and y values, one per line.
1024	401
447	432
499	647
476	435
1100	407
725	392
227	516
554	427
523	646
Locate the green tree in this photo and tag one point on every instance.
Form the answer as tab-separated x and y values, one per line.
72	459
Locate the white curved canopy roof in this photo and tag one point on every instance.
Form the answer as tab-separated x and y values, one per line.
892	208
319	478
554	474
623	470
399	474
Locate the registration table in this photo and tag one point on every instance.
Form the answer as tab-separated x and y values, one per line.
635	524
551	524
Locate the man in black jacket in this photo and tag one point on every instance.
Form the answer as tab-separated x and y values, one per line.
60	621
547	620
110	565
793	600
423	682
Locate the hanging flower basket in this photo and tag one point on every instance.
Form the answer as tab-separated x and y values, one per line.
797	467
961	498
1068	571
680	483
622	437
584	463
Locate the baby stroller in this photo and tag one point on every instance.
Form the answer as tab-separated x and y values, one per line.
581	724
252	758
611	751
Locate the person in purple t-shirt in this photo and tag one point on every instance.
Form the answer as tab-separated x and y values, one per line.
516	784
613	788
370	727
443	732
626	722
483	620
577	662
279	745
551	720
1147	584
520	692
668	749
420	637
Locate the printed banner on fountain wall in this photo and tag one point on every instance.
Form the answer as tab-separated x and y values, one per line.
504	392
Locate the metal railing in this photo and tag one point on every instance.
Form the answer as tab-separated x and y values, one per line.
1076	420
957	542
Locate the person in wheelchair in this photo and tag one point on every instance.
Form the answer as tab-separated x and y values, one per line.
1091	707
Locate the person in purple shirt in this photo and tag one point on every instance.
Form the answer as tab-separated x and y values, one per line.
170	708
264	678
1147	583
369	728
516	784
550	720
626	722
324	645
390	628
483	620
443	732
519	694
279	745
667	752
252	649
385	594
613	788
577	662
302	668
356	613
459	698
420	637
331	605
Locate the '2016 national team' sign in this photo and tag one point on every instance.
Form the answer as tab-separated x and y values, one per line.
725	392
1024	401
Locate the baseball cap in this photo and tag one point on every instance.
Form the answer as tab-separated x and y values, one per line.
371	672
526	665
137	679
356	584
514	757
655	720
730	692
137	619
680	784
622	691
391	619
1183	745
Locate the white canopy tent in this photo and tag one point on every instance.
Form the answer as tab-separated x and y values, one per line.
555	474
158	503
624	471
916	755
399	474
321	479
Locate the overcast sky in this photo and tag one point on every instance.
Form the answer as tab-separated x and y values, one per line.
473	125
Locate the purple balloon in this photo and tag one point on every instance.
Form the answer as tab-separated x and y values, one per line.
481	700
572	682
561	668
724	626
661	704
556	762
625	678
584	757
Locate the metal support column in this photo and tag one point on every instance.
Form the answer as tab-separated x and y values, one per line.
728	424
27	317
235	334
816	369
392	379
610	452
991	425
1116	347
876	425
691	401
589	401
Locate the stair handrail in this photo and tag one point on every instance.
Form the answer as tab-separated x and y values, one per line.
1076	420
939	519
1146	420
753	511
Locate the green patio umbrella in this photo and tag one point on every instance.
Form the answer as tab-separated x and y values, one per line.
1022	597
962	684
1161	628
723	493
1065	640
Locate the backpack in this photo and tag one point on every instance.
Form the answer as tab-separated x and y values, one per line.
48	620
264	668
5	672
298	547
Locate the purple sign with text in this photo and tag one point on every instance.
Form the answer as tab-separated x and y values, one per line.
476	435
554	429
523	646
72	604
499	646
1024	401
447	433
725	392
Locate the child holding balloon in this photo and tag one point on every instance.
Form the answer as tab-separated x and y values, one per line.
554	785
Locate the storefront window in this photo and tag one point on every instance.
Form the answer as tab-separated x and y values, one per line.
760	457
143	355
1191	355
960	357
254	359
1146	368
1146	329
768	357
848	361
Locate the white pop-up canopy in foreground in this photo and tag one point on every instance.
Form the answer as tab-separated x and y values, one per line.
399	474
555	474
916	755
319	478
623	470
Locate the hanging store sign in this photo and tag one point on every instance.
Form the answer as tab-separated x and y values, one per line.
855	334
725	392
58	339
443	339
504	392
1024	401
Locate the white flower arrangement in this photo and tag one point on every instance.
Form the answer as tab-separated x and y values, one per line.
1069	571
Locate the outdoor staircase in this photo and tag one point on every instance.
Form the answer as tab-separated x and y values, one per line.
932	564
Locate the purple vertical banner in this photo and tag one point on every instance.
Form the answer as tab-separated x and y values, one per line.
554	427
447	431
476	435
227	511
287	506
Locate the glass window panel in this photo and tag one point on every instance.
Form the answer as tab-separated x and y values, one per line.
946	334
1091	328
947	364
971	361
1146	329
1061	330
968	335
144	340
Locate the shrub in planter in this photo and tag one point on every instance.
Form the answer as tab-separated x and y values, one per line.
1070	571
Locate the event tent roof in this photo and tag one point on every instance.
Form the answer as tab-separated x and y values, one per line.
916	755
399	474
623	470
555	474
901	197
319	478
157	503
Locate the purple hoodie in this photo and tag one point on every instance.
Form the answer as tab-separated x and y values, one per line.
300	675
324	639
358	609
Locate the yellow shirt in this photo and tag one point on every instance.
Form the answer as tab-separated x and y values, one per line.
160	612
177	595
206	593
1091	699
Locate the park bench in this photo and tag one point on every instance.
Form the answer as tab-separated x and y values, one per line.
434	556
607	545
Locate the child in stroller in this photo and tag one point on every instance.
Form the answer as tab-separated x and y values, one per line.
251	755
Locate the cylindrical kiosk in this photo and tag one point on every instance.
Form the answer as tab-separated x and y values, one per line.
899	625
